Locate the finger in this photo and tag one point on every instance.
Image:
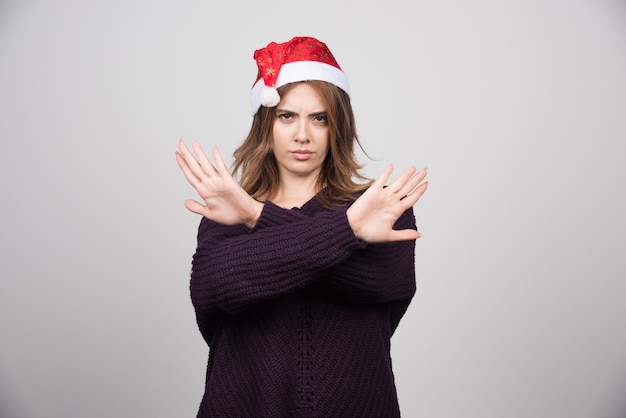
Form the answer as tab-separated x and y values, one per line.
219	161
404	235
191	161
398	184
412	198
384	176
196	207
187	172
413	182
205	164
420	175
184	150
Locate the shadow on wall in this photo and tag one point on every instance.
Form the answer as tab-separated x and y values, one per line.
619	410
8	8
8	407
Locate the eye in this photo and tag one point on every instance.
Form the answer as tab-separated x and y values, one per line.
285	116
323	119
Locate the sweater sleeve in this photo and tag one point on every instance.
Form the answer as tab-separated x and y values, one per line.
234	267
379	273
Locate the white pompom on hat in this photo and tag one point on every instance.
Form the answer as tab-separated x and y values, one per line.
302	58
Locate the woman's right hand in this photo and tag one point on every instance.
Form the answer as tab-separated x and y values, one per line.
374	213
225	201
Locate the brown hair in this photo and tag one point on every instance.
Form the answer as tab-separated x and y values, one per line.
258	169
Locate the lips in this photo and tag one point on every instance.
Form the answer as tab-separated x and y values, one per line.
302	154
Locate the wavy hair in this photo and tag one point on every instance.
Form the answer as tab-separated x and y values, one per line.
340	178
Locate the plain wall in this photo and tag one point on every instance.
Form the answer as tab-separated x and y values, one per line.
517	108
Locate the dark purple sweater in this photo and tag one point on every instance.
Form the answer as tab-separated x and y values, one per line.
298	315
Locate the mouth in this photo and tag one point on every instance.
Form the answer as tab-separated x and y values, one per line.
301	154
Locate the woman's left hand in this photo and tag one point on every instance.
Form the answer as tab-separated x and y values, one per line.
225	201
374	213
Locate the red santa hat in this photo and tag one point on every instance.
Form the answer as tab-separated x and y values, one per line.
302	58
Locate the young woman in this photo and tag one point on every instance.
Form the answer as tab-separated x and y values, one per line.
303	269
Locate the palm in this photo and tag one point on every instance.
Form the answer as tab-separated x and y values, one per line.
225	201
374	213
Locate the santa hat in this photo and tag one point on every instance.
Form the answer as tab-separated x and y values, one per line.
302	58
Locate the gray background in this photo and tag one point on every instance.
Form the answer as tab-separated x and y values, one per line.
517	108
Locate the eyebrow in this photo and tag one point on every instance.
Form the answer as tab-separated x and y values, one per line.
311	115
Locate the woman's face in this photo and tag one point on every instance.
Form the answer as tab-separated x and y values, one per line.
301	133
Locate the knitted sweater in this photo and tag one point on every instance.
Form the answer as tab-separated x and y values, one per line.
298	315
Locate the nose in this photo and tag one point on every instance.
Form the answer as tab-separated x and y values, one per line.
302	133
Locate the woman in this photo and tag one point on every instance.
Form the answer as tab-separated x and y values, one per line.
303	269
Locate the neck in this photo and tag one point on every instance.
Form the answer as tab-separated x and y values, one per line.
295	193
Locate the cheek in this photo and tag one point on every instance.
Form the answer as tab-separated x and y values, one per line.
326	140
277	134
280	130
326	147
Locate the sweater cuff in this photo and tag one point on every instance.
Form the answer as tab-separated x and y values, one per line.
339	230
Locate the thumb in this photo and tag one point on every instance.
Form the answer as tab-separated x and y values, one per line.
195	207
404	235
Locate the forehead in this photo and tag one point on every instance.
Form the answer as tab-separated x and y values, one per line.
302	95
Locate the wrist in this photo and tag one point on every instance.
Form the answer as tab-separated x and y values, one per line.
353	222
254	214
